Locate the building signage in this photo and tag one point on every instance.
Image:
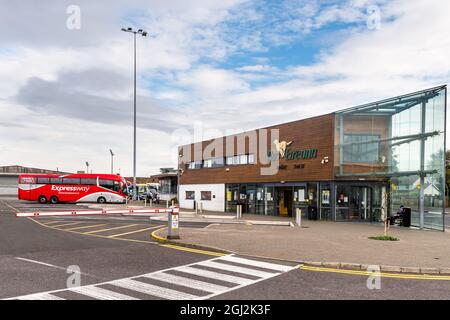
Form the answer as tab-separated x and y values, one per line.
285	152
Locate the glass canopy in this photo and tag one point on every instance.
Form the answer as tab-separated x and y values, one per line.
400	141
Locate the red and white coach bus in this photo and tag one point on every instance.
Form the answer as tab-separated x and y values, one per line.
56	188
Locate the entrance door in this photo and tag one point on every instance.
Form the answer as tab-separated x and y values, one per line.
360	205
284	202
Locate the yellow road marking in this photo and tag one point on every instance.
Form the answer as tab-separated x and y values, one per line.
172	246
382	274
154	235
84	227
101	230
131	232
52	222
302	267
66	224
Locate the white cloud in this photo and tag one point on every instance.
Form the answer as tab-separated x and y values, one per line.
182	80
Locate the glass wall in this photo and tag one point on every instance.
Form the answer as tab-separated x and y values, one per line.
402	141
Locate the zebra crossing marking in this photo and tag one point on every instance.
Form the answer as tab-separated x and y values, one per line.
181	279
223	266
100	293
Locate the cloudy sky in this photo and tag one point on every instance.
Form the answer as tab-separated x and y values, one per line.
225	65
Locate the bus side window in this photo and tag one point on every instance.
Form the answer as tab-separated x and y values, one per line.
41	180
71	181
109	184
89	181
56	180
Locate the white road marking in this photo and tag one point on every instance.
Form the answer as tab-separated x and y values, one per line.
153	290
108	229
40	296
183	280
49	265
223	266
41	263
256	263
186	282
215	275
100	293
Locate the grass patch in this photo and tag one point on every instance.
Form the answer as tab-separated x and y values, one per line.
384	238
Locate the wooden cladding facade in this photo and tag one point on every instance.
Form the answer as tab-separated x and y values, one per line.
313	133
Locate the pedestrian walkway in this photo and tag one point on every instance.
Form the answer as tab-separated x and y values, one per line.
322	241
197	281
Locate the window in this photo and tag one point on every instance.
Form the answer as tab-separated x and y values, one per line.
217	162
89	181
243	159
190	195
213	163
109	184
194	165
207	163
43	180
205	195
56	180
71	181
358	148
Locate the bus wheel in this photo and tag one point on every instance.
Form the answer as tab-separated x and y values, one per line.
42	199
101	200
54	200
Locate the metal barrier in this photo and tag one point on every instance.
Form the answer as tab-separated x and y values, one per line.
93	212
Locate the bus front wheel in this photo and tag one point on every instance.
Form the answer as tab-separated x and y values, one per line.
42	199
54	200
101	200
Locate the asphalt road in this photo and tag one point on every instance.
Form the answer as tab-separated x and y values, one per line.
118	256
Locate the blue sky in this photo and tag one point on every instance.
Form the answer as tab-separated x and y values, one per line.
228	65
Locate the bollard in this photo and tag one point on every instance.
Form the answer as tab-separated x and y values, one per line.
298	217
151	203
173	224
201	207
145	202
126	200
239	211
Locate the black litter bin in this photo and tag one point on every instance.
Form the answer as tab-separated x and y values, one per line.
312	213
406	217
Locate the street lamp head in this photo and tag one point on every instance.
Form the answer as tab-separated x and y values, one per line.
130	29
112	153
144	34
140	30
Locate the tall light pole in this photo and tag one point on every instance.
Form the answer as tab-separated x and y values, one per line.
112	161
144	34
87	167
